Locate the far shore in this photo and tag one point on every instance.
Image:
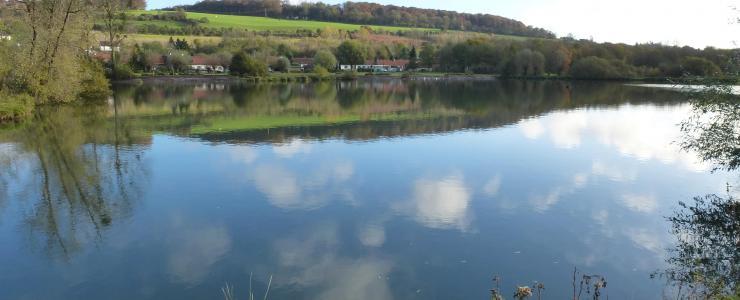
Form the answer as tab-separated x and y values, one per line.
313	77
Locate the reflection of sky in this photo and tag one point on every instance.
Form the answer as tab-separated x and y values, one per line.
398	218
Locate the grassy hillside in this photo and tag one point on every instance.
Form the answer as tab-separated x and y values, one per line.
263	24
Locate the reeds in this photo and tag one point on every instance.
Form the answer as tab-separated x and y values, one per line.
228	290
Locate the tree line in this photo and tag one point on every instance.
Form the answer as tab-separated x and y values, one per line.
581	59
370	14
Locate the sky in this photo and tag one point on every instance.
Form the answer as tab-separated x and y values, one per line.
674	22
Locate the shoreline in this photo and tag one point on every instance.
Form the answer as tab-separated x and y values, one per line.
313	77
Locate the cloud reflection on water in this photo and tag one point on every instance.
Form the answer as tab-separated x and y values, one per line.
311	261
623	129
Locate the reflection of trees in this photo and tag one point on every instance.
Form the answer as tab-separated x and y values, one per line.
86	174
706	258
354	109
713	129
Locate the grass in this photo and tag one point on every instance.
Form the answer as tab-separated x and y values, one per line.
15	107
228	124
145	38
265	24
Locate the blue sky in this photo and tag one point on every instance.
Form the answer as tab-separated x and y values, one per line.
682	22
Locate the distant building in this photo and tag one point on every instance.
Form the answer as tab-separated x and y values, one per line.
380	65
101	56
302	63
106	47
201	63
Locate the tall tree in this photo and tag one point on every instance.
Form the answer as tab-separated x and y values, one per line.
428	55
350	53
114	19
58	32
413	59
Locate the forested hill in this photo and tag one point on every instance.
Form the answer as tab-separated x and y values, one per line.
370	14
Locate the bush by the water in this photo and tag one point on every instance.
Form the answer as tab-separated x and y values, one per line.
243	64
282	64
593	67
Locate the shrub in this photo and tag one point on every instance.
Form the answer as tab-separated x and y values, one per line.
245	65
94	85
282	64
348	75
321	72
697	66
325	59
593	67
122	71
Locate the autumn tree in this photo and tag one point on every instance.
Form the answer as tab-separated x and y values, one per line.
350	53
55	34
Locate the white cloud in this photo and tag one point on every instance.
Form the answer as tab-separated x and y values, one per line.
279	185
285	189
244	154
372	235
646	132
312	262
640	203
566	129
580	180
543	203
645	239
613	172
531	128
442	203
683	22
292	148
492	187
600	216
194	249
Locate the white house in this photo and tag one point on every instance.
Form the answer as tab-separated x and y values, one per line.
106	47
381	65
201	63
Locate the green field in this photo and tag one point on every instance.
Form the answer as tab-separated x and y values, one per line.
264	24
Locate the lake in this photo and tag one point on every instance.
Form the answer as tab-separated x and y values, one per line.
372	189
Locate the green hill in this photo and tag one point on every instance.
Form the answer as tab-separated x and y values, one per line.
258	23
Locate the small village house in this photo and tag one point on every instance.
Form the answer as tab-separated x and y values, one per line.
302	63
380	65
105	46
202	63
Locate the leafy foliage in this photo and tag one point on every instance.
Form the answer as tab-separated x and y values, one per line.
713	128
350	53
243	64
325	59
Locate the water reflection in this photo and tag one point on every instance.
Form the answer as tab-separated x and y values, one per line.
195	249
350	190
442	203
312	261
362	110
705	262
310	189
78	174
623	129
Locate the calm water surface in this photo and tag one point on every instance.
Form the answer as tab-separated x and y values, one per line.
365	190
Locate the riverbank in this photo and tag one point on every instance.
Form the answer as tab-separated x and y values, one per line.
308	77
